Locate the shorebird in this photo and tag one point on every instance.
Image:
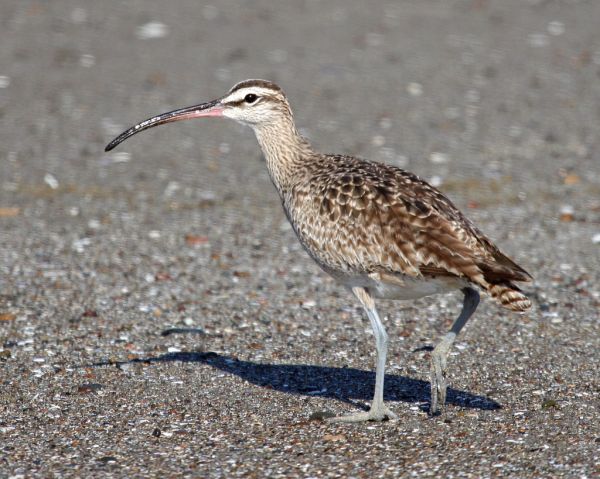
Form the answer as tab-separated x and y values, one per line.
380	231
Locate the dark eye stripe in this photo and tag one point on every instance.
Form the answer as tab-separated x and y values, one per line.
242	101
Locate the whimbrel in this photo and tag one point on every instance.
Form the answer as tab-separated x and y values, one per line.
380	231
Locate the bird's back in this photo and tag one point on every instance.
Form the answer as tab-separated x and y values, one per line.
357	217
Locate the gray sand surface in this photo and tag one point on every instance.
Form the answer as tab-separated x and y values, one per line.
158	317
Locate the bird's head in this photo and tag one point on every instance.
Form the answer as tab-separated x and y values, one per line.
256	103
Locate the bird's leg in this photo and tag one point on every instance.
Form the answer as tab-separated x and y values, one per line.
378	411
439	356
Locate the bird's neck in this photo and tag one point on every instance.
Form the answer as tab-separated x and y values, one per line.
287	153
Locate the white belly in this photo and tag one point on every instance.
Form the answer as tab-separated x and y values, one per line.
404	287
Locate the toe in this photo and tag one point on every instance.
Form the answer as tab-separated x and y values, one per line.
383	414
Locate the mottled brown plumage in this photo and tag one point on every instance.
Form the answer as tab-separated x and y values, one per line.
379	230
357	217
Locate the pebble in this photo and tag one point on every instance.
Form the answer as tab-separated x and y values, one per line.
438	158
87	60
566	213
309	303
152	30
51	181
94	224
414	89
81	244
120	157
436	181
556	28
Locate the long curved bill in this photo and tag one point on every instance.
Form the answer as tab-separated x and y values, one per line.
213	108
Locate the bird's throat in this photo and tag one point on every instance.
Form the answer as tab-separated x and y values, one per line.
286	152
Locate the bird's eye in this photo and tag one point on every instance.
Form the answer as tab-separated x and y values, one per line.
250	98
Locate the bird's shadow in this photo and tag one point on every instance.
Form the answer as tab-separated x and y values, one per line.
344	384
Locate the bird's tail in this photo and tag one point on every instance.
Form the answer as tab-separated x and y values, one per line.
509	296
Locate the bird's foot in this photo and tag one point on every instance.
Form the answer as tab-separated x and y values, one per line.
438	383
376	413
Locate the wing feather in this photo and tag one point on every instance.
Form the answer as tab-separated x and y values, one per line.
365	217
